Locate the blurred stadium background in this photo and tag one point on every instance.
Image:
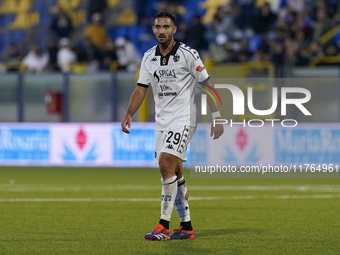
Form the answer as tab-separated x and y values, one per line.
90	51
76	61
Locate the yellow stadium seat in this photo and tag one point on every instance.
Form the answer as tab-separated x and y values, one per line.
113	3
8	6
127	17
69	4
211	7
78	17
34	18
259	3
15	6
114	65
23	6
79	68
181	10
65	4
25	20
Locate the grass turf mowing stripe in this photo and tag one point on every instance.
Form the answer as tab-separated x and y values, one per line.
88	187
158	199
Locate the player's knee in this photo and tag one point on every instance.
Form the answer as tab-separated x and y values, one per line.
167	165
165	168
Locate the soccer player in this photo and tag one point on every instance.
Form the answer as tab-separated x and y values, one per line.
172	69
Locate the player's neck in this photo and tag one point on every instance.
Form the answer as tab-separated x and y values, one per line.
166	48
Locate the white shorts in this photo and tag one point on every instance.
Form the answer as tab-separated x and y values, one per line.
174	141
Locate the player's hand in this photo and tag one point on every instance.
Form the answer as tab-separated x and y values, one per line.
216	131
126	122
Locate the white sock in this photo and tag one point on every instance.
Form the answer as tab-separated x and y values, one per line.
181	202
169	191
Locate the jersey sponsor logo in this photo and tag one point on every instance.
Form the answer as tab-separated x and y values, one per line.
165	88
167	94
200	68
176	58
156	76
167	73
164	74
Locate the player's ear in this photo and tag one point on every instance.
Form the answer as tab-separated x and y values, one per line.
175	29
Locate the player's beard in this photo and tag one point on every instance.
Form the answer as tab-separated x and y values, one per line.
165	43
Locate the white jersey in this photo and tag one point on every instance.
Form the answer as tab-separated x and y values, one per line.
173	79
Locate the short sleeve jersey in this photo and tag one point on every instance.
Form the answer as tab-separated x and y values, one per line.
173	80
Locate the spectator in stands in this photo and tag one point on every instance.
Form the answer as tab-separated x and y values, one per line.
299	24
171	6
14	58
259	56
301	58
280	35
110	55
218	50
316	51
127	54
195	35
96	32
14	54
223	22
182	31
52	50
264	21
296	6
61	24
92	56
284	19
300	38
332	8
36	60
96	6
332	50
322	25
66	57
231	56
246	13
278	58
291	44
244	54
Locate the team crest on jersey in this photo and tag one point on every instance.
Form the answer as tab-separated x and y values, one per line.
176	58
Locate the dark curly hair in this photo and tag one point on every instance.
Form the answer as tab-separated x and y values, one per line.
165	14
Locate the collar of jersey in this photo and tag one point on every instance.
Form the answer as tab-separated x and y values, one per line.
172	52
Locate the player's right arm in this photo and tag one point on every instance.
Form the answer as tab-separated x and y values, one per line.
136	100
138	95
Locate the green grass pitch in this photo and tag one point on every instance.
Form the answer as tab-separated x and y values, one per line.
109	210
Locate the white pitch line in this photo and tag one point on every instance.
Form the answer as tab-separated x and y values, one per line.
284	197
63	188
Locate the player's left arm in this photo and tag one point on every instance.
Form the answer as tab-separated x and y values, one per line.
198	70
217	129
